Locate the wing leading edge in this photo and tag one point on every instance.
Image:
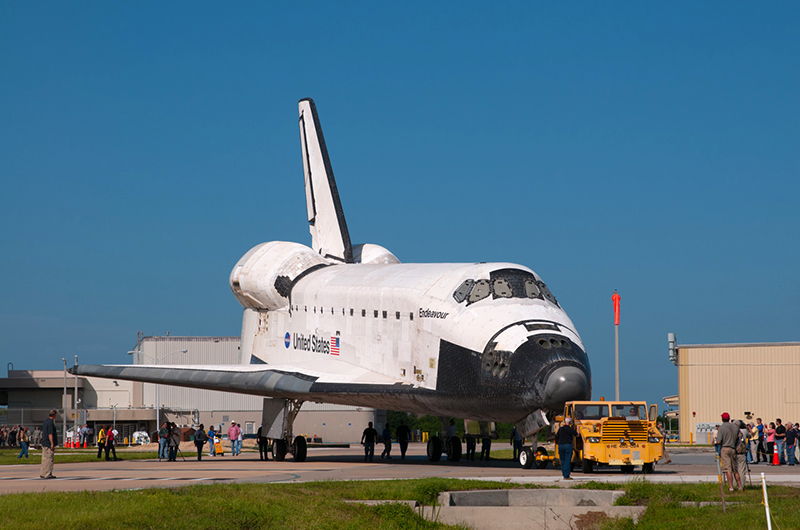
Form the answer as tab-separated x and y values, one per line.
274	381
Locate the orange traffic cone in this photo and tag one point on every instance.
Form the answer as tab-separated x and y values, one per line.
775	460
84	443
68	444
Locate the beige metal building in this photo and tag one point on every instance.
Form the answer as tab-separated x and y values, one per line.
748	381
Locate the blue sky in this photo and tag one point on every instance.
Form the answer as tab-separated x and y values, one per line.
649	148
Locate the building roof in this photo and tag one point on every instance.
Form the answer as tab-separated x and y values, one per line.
739	345
32	379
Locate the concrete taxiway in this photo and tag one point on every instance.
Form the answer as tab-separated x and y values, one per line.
345	464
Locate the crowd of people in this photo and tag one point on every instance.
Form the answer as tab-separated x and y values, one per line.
762	441
20	436
169	440
740	444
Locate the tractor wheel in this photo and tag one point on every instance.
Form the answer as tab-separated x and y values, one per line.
526	459
541	464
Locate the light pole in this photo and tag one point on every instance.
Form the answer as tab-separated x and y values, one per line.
157	359
64	404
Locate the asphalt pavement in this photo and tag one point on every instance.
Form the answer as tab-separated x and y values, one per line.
689	465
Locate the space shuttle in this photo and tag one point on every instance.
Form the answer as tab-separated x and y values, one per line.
352	325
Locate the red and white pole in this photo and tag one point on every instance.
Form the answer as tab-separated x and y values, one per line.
616	298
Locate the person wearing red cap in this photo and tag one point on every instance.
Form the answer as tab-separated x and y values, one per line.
728	438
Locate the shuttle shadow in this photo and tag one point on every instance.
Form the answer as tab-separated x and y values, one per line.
409	460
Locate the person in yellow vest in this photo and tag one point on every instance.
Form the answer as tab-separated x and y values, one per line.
101	441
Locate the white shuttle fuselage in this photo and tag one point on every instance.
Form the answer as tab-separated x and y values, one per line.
468	340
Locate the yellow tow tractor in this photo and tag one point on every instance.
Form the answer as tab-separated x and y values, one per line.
610	433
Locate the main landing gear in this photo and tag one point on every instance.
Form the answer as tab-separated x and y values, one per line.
451	449
286	443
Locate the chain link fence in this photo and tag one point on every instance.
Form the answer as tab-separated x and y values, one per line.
34	417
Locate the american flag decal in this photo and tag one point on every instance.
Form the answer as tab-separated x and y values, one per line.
334	345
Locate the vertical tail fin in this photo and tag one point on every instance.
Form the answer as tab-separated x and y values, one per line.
329	235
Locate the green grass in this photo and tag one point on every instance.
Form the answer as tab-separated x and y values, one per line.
665	511
315	505
320	505
64	456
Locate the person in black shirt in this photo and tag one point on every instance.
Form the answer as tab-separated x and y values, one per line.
780	440
486	445
263	443
471	444
368	441
791	439
200	440
403	433
564	439
386	435
49	443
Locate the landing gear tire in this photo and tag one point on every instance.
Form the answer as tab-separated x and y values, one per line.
627	469
647	468
541	464
279	450
454	449
587	465
526	458
434	449
299	449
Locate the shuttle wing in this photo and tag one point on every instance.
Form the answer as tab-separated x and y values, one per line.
329	235
295	381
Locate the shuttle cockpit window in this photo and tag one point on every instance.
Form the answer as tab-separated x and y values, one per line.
480	290
504	283
531	289
502	289
462	292
547	294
